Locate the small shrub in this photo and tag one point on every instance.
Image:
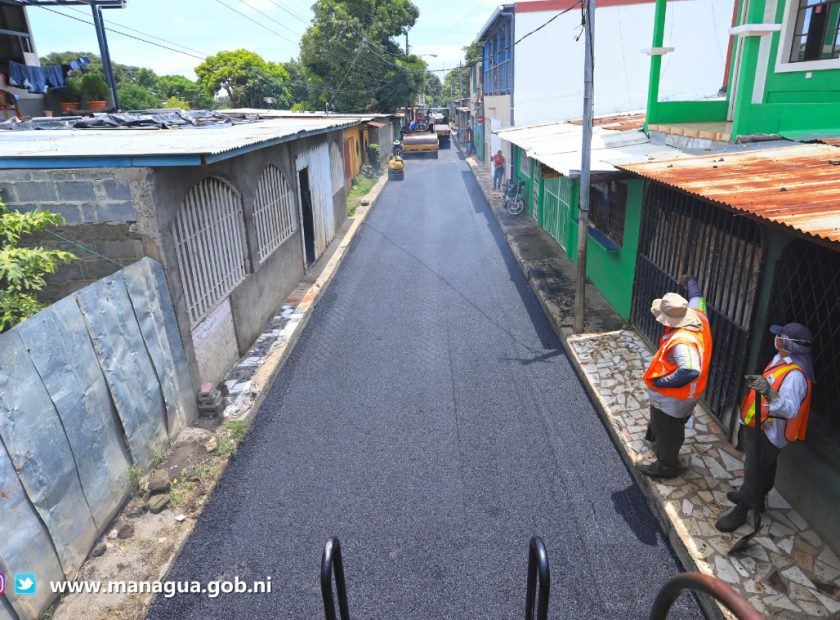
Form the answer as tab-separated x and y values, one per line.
230	436
134	475
374	157
94	87
72	91
368	171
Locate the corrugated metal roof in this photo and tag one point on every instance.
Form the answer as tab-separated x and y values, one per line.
617	122
558	146
145	147
796	186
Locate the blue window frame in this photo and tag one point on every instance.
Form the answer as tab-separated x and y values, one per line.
498	59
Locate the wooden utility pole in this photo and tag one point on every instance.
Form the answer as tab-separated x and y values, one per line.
585	164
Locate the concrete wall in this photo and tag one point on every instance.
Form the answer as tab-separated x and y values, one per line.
101	209
497	115
548	74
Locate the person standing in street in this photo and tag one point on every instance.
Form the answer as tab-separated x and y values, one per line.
677	375
498	169
469	139
786	385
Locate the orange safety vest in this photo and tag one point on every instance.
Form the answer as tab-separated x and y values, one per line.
661	366
795	427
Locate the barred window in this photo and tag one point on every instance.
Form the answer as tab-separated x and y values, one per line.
524	165
209	235
273	211
608	202
336	167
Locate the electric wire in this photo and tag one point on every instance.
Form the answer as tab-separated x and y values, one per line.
260	24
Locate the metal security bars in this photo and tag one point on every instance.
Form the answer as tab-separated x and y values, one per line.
274	211
556	208
607	208
683	234
209	235
806	289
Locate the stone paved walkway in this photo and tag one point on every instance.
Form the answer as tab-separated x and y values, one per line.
788	572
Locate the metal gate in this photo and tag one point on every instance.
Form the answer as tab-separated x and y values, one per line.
806	289
683	234
317	159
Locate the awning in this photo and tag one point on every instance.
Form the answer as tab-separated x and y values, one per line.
795	186
375	124
558	146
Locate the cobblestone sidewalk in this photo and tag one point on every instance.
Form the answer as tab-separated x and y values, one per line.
788	572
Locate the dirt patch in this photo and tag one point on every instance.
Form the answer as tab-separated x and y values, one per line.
147	554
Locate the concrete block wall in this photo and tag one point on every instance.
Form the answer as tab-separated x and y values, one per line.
100	207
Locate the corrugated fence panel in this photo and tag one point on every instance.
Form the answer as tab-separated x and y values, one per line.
146	285
317	159
36	442
61	350
128	369
25	545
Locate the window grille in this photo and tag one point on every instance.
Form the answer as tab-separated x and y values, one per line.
805	290
273	211
607	207
209	235
524	163
816	34
336	168
556	205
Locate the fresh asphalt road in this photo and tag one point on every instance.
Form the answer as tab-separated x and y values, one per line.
429	418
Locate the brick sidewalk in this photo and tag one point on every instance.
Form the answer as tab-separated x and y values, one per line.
788	571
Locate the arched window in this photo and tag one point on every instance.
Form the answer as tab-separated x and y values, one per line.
209	235
273	211
336	167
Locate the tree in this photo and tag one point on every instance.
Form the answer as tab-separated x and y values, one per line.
195	94
351	60
245	77
433	89
174	102
136	97
298	88
22	270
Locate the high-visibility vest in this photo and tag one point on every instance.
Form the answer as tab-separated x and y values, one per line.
795	427
661	366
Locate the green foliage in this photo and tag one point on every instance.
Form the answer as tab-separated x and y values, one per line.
22	270
351	60
374	156
230	436
456	84
174	102
245	77
137	97
72	91
138	88
433	89
94	87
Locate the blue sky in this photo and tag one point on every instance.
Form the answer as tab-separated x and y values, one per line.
443	28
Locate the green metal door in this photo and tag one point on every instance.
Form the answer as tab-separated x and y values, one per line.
557	193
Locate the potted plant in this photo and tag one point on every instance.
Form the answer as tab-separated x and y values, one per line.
95	91
70	96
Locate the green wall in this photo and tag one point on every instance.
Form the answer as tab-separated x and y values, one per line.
611	271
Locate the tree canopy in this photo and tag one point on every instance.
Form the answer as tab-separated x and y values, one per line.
246	78
350	59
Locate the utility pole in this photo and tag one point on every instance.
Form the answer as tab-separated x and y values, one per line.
585	164
104	53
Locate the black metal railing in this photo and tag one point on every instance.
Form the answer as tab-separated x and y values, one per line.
538	572
706	584
331	564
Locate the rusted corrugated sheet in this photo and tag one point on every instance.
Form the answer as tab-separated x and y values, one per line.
616	122
797	186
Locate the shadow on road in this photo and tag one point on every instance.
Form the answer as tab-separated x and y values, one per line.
632	506
548	338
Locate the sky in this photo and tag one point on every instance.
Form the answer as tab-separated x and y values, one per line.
206	27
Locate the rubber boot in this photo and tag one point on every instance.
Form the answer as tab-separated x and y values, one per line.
734	519
658	470
735	498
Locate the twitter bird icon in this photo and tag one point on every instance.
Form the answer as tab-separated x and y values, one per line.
25	583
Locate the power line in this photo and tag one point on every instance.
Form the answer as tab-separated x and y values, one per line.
125	34
151	36
527	34
261	25
290	12
268	17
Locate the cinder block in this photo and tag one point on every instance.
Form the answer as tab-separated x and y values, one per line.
122	248
34	192
98	268
71	212
117	190
69	272
76	191
116	212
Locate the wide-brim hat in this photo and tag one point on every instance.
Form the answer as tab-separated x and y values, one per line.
672	311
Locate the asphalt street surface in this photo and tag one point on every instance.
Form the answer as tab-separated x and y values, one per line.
429	418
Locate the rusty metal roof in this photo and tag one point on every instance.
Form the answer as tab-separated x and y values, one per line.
616	122
796	186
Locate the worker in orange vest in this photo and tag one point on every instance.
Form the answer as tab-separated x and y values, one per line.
786	385
677	375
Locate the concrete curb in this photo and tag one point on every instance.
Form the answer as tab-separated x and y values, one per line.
643	482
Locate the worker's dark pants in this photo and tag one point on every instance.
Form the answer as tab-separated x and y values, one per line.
498	175
669	435
765	464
